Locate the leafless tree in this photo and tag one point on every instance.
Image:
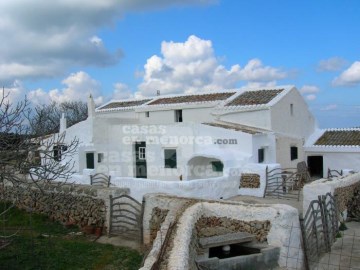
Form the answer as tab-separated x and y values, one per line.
45	118
28	159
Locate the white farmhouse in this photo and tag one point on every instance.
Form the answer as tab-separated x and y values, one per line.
194	136
333	149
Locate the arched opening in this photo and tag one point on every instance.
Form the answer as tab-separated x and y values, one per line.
202	167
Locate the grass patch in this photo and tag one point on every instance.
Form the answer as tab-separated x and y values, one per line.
30	249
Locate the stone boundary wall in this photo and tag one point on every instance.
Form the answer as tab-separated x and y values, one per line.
344	195
67	203
343	185
277	224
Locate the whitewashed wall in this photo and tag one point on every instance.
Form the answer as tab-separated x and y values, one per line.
166	115
259	169
301	124
256	118
339	159
312	190
283	145
213	188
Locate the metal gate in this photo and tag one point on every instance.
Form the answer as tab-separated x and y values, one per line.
126	217
319	227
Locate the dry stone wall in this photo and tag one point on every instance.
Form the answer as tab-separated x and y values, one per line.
212	226
250	180
157	218
70	204
344	195
353	206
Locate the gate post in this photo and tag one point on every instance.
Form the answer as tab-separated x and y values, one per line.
324	218
110	213
304	244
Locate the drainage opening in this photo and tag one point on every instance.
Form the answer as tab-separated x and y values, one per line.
229	251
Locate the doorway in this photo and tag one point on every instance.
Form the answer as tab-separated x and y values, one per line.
90	164
140	160
315	164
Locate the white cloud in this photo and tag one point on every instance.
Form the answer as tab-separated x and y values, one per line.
192	66
311	97
122	91
349	77
15	93
309	89
78	87
45	38
329	107
331	64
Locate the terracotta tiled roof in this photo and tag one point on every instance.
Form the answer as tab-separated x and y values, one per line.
192	98
340	138
124	104
255	97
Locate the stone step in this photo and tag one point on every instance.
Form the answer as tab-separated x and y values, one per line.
226	239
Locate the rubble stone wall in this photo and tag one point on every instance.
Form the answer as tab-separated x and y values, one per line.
344	195
344	187
250	180
67	203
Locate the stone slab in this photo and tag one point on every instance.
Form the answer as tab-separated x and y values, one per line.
226	239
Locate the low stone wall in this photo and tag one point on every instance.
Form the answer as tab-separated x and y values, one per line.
158	216
70	204
276	225
249	180
353	205
344	195
344	187
253	179
212	226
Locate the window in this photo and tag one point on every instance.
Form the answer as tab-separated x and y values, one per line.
217	166
147	114
100	157
291	109
170	158
142	155
58	150
178	116
293	152
261	155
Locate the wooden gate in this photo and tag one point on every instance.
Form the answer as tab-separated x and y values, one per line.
126	217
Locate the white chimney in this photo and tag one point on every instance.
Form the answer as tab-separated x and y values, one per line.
91	106
62	123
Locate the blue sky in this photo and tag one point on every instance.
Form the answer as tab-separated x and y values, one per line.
64	49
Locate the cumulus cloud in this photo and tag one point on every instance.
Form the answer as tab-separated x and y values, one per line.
192	66
122	91
309	91
349	77
44	38
331	64
77	87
